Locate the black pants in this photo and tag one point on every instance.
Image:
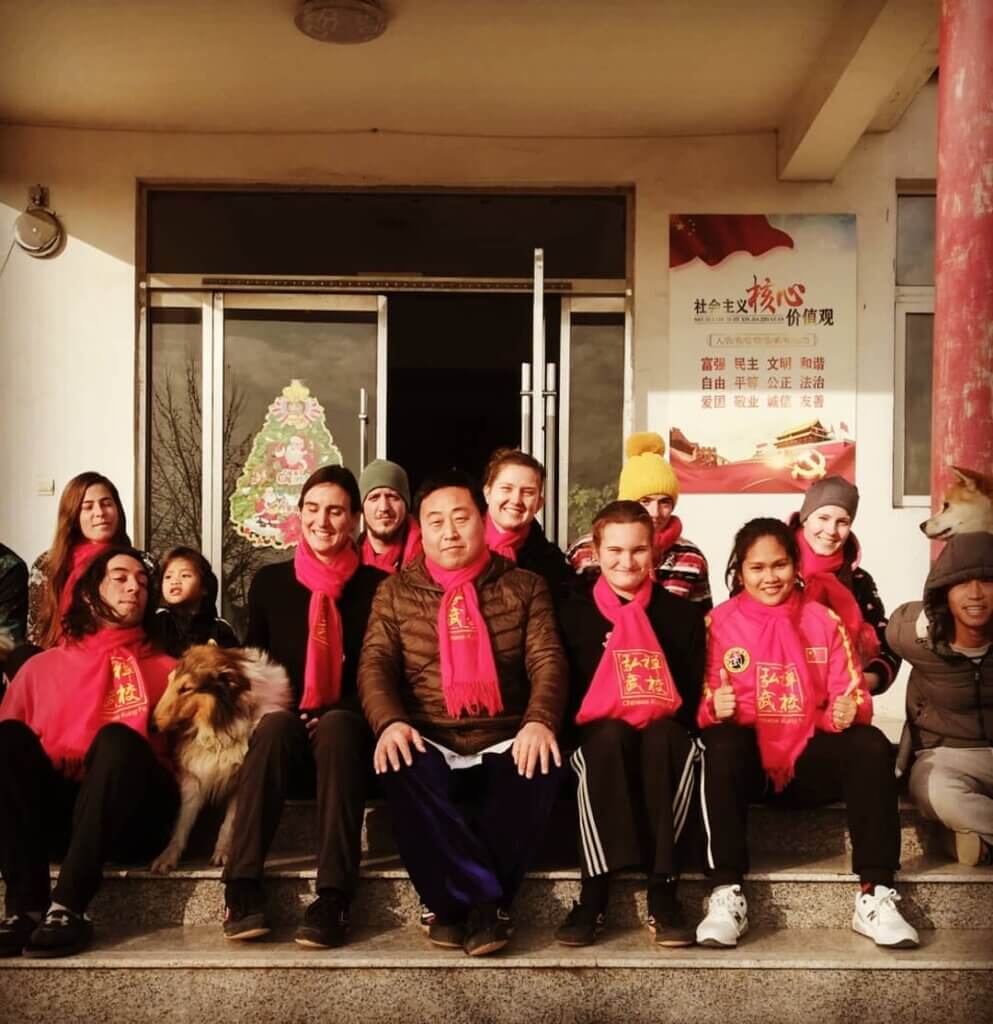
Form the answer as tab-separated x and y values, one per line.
467	836
123	809
855	765
284	762
635	787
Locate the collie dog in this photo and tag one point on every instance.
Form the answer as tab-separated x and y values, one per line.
214	700
967	506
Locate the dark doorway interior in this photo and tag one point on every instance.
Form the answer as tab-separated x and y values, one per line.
454	376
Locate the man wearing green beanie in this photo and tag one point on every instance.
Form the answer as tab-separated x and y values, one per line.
391	538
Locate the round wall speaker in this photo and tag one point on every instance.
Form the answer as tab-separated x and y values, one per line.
38	232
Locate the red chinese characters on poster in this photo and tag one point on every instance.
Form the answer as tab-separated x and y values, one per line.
762	350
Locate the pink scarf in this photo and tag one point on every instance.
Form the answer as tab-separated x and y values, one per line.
67	694
632	681
82	558
785	696
505	542
821	584
469	679
325	646
396	555
668	536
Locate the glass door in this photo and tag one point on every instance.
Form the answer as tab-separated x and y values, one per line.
591	411
278	385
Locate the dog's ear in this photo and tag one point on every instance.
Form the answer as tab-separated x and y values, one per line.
966	476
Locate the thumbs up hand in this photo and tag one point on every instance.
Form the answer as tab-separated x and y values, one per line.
724	699
843	712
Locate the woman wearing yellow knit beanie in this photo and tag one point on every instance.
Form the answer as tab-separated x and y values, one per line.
649	479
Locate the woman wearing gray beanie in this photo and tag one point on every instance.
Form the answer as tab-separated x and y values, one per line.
829	564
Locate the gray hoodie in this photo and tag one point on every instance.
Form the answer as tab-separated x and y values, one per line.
949	696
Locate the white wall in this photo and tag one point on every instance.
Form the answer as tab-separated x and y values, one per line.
67	325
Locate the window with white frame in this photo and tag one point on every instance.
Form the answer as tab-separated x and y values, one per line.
914	333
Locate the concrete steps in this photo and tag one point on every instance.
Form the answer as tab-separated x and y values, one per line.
191	974
818	894
160	954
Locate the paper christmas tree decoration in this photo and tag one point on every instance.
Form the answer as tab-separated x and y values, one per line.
293	442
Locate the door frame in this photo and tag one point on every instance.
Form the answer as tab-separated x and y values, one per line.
209	293
212	305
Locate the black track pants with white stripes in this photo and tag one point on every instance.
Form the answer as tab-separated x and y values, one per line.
634	794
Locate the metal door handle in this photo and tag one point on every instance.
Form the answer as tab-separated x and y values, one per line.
363	428
526	399
551	441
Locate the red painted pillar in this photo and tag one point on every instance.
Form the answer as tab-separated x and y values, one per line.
962	389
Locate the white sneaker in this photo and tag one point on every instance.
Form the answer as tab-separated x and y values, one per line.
726	920
876	916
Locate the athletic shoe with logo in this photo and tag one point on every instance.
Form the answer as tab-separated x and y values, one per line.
669	926
446	934
15	931
244	910
62	933
582	925
325	923
726	920
877	917
488	929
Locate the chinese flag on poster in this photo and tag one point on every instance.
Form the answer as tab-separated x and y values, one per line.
713	237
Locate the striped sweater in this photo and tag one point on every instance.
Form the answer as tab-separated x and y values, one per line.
681	568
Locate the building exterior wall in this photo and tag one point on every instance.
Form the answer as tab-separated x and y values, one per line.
68	325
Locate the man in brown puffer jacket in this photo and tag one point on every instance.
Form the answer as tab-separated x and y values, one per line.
464	682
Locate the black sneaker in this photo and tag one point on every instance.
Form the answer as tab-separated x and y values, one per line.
488	929
446	934
244	910
583	924
668	924
325	923
14	934
62	933
426	919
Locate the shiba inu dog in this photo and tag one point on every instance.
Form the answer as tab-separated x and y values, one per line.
967	506
214	700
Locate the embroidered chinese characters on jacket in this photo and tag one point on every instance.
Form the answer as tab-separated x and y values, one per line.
643	677
778	691
126	697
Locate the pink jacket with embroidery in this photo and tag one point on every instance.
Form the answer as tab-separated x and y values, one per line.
832	668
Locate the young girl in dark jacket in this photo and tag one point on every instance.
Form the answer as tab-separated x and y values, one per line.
187	613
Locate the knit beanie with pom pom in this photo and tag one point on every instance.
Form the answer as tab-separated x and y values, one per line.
646	472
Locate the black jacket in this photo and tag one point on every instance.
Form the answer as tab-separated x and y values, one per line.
678	625
863	588
539	555
278	611
174	632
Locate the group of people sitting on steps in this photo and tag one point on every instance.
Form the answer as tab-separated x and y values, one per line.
455	657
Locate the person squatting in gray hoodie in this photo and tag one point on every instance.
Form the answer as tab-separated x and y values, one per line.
947	640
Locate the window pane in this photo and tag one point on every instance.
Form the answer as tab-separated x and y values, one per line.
917	404
174	448
596	410
915	240
277	366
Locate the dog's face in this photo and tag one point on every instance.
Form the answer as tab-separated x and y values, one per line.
207	689
967	507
